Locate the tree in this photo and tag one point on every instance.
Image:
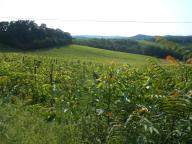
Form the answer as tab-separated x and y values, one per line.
25	34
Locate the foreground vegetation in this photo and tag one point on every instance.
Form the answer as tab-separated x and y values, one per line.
54	100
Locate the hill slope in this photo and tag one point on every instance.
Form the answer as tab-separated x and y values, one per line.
78	52
85	53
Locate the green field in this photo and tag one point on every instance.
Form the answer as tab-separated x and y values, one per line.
84	53
58	101
83	95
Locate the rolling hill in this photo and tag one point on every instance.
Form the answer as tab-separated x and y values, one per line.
85	53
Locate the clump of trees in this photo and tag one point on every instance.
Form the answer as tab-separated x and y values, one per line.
27	35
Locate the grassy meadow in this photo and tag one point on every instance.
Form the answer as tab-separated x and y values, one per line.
85	53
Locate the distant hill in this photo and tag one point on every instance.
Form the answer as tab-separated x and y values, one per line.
181	39
142	37
99	36
137	37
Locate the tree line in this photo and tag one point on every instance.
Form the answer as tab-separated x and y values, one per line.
27	35
151	48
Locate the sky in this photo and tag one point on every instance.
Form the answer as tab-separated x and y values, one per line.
104	17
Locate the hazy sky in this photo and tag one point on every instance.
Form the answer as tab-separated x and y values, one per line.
67	13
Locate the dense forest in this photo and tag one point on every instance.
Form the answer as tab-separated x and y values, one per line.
25	35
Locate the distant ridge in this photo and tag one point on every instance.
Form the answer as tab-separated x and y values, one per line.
99	36
177	38
136	37
142	37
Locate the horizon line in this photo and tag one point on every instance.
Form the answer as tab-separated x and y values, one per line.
97	21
